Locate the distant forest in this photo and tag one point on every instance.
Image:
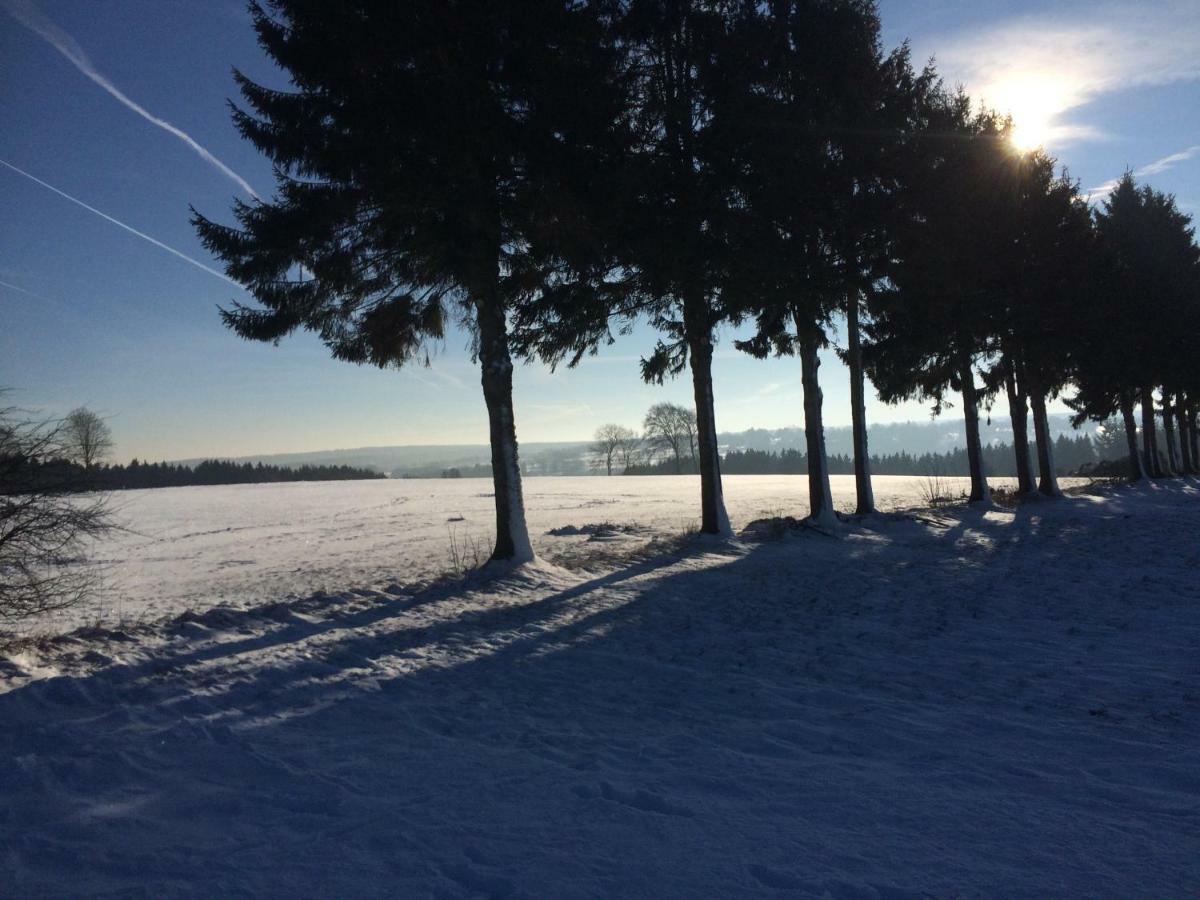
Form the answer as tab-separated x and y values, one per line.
72	476
1070	455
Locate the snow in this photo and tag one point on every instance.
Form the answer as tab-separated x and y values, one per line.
953	703
196	547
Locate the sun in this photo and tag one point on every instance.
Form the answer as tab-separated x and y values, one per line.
1029	134
1034	100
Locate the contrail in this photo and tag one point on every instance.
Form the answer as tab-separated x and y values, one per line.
25	12
21	290
120	224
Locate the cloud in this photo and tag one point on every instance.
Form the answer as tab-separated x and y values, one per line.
1041	67
1154	168
1167	162
25	12
120	224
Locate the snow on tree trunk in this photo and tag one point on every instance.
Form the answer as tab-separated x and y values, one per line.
820	497
1047	477
1018	412
713	518
980	492
1150	434
1137	469
1168	414
512	534
858	413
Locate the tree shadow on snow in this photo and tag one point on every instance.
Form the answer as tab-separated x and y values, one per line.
815	715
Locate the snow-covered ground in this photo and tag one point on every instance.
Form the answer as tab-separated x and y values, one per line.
950	704
193	548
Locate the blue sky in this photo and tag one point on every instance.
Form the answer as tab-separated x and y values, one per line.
92	314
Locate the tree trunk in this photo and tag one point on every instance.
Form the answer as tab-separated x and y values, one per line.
1018	411
820	497
1168	414
1047	477
980	492
858	413
512	535
1137	469
1150	435
713	518
1193	432
1186	460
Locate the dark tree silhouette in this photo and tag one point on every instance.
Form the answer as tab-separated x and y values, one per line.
1142	319
821	138
86	437
670	428
44	531
1043	256
672	248
933	323
426	164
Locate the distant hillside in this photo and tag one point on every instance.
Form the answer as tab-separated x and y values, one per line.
936	436
571	457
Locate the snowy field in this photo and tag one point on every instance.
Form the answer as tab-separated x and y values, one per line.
952	704
193	548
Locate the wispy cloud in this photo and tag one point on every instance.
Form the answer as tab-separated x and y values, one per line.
1154	168
1043	66
1167	162
120	224
25	12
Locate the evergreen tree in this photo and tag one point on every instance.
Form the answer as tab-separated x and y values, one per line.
686	79
817	166
1044	259
934	320
1142	317
427	163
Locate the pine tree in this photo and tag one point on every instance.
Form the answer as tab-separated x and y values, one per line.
426	160
934	321
1044	258
1142	318
820	137
676	248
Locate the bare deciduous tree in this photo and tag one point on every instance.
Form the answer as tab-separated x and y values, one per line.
44	524
85	437
670	427
613	444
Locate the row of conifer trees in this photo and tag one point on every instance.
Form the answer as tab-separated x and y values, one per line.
545	172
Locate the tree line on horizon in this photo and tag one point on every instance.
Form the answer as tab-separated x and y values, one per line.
73	476
547	172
